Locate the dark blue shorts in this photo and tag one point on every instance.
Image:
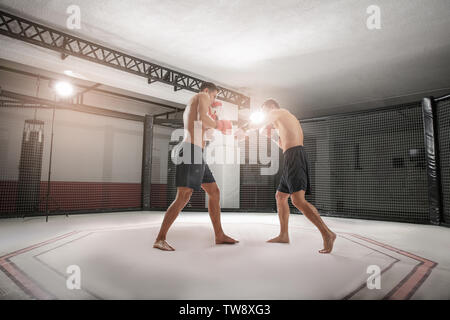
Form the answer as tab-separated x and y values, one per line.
194	173
295	171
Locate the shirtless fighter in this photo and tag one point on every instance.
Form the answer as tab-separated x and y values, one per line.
196	173
294	181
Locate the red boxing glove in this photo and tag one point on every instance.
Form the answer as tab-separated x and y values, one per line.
224	126
211	114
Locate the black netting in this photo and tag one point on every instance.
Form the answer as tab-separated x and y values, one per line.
257	191
443	120
367	165
370	165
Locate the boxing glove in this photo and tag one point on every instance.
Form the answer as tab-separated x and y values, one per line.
224	126
212	114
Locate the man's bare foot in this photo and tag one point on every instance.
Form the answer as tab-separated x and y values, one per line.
224	239
163	245
328	243
282	238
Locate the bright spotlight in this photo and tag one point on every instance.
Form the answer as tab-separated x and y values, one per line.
257	117
63	89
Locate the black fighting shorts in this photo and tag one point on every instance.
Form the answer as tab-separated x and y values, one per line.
295	171
194	173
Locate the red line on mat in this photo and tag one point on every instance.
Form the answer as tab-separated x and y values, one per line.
409	285
21	279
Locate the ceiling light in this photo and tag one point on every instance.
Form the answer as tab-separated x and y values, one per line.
257	117
63	89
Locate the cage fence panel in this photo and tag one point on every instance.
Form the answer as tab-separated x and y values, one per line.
364	165
95	161
443	124
22	140
257	190
369	165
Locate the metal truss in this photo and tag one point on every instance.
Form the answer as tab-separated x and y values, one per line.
9	99
82	89
66	44
18	100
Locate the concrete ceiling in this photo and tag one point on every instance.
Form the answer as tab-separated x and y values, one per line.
315	57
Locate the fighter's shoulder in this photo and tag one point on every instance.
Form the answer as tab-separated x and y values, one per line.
285	113
199	97
202	95
278	113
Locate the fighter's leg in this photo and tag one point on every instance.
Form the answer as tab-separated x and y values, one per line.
182	198
283	215
299	201
214	212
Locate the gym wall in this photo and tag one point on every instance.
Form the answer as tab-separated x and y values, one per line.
96	160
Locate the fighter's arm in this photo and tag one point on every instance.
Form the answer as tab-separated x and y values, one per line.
203	106
204	103
268	121
268	131
274	137
266	127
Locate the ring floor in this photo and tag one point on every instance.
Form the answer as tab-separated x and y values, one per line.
113	258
